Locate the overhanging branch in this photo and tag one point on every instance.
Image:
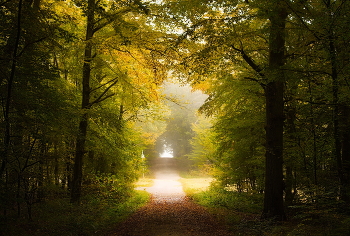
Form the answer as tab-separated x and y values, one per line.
109	19
249	60
102	96
102	85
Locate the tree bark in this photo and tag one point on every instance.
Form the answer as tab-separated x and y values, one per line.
85	106
10	82
289	186
345	151
274	92
341	126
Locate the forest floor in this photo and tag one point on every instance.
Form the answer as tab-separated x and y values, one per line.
170	211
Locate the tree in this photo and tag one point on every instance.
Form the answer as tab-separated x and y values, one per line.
204	29
274	94
98	19
28	90
9	88
237	132
317	61
203	145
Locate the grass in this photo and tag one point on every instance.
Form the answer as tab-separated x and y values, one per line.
144	182
241	211
193	186
205	192
59	217
242	202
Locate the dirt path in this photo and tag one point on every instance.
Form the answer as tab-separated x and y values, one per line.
170	212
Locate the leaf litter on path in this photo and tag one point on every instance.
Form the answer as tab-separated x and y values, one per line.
170	212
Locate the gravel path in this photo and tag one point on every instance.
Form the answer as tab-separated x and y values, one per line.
170	212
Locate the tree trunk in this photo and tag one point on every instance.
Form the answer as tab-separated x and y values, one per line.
78	160
56	166
85	106
273	198
289	195
344	165
293	139
41	173
274	91
341	127
10	82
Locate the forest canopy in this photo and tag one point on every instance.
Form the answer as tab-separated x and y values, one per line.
82	97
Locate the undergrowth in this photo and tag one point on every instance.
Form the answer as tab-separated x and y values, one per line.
215	196
241	211
59	217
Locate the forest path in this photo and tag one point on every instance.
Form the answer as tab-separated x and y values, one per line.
170	212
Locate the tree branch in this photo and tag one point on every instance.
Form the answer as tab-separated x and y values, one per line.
309	71
29	44
101	98
323	103
249	60
256	80
109	19
303	21
29	155
102	85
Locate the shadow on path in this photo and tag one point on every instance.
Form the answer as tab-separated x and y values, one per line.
170	212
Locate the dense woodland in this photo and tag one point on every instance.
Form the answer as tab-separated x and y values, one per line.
82	97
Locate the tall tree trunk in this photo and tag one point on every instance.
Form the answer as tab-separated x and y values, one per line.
345	158
41	178
341	127
274	92
85	106
292	140
10	82
313	126
289	186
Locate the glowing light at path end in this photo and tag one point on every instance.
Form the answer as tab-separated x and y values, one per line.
167	154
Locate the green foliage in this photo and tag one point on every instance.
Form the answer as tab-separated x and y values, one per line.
217	196
226	51
44	108
95	214
242	212
222	48
203	144
182	103
238	151
40	110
